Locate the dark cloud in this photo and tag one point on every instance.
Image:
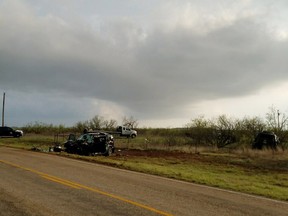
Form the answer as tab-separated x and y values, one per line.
157	73
231	61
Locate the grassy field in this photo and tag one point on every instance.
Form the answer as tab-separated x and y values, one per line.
263	173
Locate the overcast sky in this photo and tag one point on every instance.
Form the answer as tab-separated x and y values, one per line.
164	62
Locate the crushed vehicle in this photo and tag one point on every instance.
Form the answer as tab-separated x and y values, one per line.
90	143
126	131
10	132
265	139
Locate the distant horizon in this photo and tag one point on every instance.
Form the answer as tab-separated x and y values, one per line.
143	126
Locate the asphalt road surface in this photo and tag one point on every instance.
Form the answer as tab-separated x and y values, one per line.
34	183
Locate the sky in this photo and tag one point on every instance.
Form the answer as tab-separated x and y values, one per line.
163	62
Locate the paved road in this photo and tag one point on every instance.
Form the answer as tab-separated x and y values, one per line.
32	183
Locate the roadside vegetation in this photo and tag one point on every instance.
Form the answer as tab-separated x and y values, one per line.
215	152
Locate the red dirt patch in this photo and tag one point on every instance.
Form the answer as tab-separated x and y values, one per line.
253	163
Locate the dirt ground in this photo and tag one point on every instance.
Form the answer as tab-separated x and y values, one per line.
152	153
271	162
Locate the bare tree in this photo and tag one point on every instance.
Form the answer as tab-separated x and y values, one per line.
110	124
200	131
225	128
247	129
130	122
276	120
96	123
255	125
80	126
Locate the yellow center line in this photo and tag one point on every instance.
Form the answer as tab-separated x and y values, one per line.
80	186
60	181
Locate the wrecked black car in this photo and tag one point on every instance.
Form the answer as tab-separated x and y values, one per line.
92	143
265	139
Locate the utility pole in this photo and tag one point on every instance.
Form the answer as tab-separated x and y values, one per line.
278	123
3	108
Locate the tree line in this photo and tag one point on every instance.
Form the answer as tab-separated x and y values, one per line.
95	123
221	131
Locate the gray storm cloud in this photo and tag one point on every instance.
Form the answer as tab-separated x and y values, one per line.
123	63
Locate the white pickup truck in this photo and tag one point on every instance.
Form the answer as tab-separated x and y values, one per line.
126	131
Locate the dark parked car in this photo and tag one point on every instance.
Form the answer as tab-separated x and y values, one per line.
9	132
265	139
98	143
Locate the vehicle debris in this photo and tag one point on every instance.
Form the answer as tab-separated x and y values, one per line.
90	143
266	139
